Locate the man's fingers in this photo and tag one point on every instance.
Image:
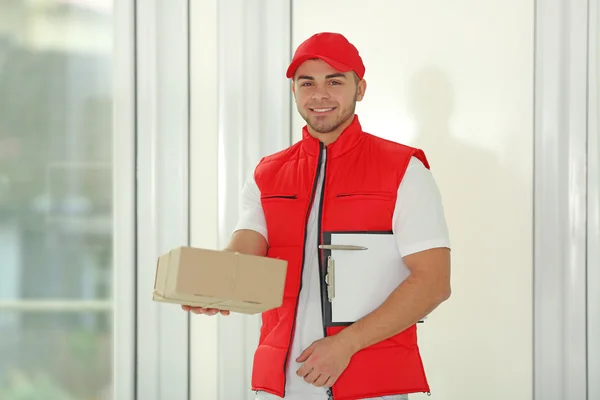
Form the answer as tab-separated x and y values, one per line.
330	381
304	370
312	376
322	380
205	311
305	354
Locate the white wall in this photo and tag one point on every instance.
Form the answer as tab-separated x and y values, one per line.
459	85
456	79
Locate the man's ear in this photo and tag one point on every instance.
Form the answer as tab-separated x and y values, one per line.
360	91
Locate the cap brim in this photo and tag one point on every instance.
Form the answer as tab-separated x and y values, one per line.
334	64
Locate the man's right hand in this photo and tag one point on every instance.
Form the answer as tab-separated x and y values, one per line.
205	311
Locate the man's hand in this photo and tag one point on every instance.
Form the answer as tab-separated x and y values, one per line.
205	311
325	360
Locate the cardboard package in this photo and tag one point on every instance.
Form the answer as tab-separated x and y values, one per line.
219	279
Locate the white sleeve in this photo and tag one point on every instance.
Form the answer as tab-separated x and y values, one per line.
252	216
418	222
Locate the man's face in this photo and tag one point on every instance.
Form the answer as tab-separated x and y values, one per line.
326	98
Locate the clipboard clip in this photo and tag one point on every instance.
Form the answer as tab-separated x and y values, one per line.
330	279
330	274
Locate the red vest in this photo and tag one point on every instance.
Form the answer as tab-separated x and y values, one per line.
362	175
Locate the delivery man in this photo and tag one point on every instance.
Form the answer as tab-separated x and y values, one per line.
339	178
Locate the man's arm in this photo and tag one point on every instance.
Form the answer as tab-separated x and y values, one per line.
428	285
250	235
426	288
421	233
247	241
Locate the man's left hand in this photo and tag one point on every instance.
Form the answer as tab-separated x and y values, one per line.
325	360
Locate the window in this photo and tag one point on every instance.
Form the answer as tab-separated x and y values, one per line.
56	199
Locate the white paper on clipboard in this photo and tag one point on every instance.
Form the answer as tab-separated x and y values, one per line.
364	278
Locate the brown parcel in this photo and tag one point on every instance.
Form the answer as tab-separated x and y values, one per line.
220	279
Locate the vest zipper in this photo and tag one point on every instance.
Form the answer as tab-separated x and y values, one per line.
310	204
321	268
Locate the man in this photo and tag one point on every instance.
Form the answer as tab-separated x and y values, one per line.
341	179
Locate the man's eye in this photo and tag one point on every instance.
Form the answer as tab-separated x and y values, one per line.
306	84
335	83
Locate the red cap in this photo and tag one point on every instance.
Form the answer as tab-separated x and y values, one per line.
333	48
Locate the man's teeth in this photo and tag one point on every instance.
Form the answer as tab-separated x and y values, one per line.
322	109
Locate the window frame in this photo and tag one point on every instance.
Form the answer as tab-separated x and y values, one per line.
162	197
124	207
560	199
593	244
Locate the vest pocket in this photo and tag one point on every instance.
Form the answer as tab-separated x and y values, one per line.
365	195
278	196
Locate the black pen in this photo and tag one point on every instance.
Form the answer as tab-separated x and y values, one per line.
341	247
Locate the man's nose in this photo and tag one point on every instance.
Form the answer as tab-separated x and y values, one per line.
320	94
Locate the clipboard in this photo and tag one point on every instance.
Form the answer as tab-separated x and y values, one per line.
359	271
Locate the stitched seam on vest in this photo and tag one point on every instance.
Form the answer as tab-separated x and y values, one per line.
283	160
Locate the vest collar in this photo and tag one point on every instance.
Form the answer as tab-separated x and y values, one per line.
349	138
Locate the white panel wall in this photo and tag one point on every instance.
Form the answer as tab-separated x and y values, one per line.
459	85
162	330
560	191
240	113
204	339
124	203
593	244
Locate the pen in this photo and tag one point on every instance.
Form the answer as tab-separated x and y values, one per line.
341	247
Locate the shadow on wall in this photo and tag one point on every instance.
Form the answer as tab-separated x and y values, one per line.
489	217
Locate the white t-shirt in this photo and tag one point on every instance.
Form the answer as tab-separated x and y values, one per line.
418	224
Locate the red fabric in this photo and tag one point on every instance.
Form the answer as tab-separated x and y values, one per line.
362	175
333	48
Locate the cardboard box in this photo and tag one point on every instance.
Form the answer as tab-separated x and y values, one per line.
220	279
